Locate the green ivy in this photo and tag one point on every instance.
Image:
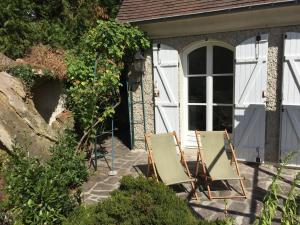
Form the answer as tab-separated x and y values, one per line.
91	97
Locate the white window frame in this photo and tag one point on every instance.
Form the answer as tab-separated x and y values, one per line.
209	86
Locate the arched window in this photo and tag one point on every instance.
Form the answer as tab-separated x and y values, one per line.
209	75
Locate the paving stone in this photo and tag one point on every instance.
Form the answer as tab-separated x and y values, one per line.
100	193
103	186
112	180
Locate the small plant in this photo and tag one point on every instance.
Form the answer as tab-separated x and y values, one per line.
44	193
25	73
271	199
29	75
289	210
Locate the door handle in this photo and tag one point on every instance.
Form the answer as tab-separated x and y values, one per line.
156	90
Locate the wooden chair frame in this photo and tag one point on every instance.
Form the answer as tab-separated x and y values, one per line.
151	162
208	180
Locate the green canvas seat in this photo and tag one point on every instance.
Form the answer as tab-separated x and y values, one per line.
167	161
217	157
170	167
218	165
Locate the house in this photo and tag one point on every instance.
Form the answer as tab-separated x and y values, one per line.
222	64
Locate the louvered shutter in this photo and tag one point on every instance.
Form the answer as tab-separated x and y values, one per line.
165	62
249	108
290	113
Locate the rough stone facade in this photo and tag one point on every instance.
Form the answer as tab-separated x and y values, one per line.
275	51
148	104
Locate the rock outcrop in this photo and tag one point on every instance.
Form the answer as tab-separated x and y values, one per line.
20	121
5	62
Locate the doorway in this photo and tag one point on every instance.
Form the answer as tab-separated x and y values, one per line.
208	89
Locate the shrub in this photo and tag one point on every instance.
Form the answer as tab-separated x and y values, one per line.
58	23
139	201
41	193
70	168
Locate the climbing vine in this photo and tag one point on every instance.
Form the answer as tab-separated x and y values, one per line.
94	91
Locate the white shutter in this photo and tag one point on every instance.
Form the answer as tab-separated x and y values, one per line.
290	115
250	87
165	61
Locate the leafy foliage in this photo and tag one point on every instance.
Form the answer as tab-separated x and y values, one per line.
5	215
24	23
139	201
70	168
25	73
92	96
29	75
289	210
41	193
271	202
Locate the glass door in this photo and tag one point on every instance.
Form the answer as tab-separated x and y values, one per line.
209	89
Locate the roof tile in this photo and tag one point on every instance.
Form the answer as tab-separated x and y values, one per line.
141	10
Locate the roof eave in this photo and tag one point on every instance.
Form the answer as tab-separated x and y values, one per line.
213	12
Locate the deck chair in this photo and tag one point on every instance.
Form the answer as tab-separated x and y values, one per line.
216	165
165	162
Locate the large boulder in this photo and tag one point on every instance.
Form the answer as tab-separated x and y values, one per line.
20	121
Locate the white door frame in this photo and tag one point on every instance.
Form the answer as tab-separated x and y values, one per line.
186	135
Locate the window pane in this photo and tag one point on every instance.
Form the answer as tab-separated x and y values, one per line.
197	89
197	61
197	117
222	116
222	60
223	89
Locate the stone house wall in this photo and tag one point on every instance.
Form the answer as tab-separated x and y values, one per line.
275	52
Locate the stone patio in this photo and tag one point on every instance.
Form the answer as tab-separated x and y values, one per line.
127	162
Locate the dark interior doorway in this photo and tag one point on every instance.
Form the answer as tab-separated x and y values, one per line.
122	113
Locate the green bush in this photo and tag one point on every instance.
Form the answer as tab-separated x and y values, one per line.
24	23
70	168
41	193
139	201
